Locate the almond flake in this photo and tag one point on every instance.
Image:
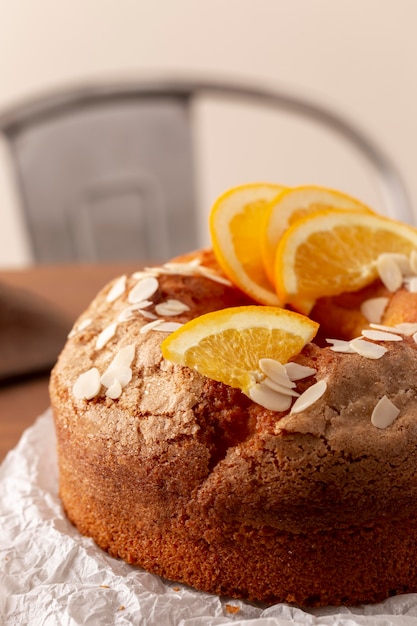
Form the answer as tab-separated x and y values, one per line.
389	329
309	397
85	323
106	335
117	290
413	261
373	309
171	307
185	269
206	272
406	328
411	284
87	385
124	356
275	371
143	290
167	327
296	371
389	272
340	345
384	413
268	398
367	349
150	326
128	313
191	268
381	335
194	268
114	391
120	373
149	271
287	391
402	260
148	315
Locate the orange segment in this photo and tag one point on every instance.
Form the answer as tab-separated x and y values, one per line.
331	252
226	345
236	224
293	204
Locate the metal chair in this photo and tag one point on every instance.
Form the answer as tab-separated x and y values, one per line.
108	172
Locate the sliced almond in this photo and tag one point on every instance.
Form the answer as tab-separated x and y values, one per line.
413	261
287	391
296	371
171	307
268	398
367	349
121	373
384	327
380	335
148	315
115	390
411	284
340	345
117	290
168	327
143	290
384	413
106	335
128	313
276	371
85	323
124	356
150	326
389	272
309	397
406	328
373	309
87	385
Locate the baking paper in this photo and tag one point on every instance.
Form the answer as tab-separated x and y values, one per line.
51	575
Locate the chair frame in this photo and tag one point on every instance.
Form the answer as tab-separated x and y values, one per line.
391	184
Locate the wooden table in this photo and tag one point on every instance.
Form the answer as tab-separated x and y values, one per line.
69	288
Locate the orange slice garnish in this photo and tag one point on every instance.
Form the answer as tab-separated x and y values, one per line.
236	225
293	204
331	252
227	345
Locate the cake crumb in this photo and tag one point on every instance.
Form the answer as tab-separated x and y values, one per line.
121	607
175	588
232	609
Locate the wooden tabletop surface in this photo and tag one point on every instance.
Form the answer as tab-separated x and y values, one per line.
68	288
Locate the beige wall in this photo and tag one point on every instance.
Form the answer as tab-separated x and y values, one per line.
357	56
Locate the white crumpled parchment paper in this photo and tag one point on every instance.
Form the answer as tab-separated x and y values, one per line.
51	575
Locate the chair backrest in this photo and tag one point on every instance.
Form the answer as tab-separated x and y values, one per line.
108	173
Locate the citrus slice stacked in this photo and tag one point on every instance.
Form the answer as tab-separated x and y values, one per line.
330	252
236	226
293	204
227	345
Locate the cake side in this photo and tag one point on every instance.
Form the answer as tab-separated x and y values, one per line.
192	480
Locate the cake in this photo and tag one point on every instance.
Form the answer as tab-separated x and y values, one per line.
192	480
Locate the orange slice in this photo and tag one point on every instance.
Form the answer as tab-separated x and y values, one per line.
293	204
331	252
236	225
227	345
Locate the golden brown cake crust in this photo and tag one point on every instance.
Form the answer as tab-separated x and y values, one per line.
193	481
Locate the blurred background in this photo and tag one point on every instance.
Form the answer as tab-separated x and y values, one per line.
354	57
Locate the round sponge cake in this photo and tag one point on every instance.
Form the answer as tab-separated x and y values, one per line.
193	481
